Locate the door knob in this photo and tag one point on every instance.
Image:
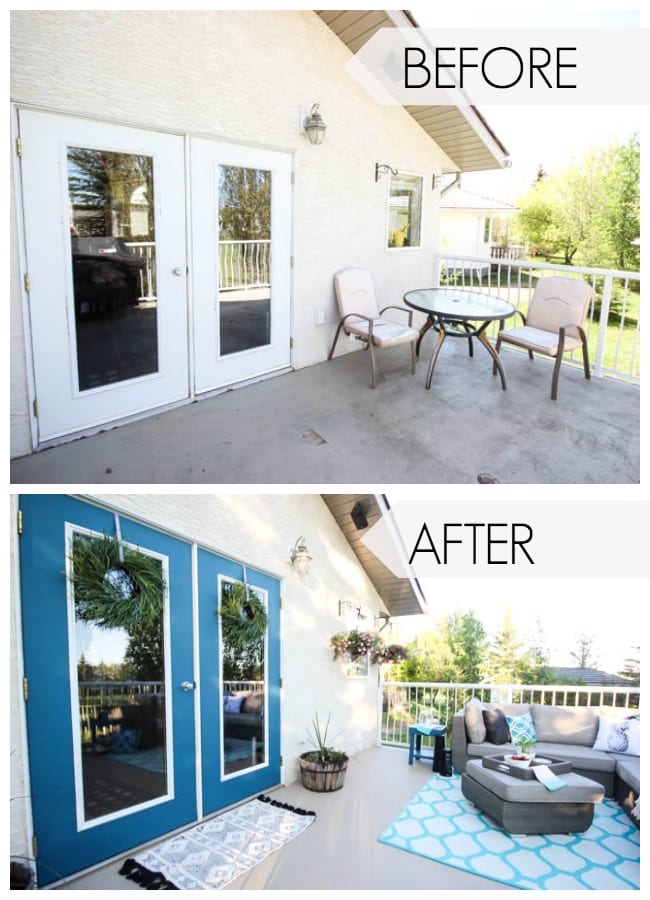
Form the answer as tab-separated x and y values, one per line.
187	685
178	271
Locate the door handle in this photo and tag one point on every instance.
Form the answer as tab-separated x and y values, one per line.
187	685
178	271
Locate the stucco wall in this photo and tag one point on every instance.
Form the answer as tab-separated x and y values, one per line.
260	530
461	231
246	77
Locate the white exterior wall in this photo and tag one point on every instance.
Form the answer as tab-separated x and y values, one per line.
244	77
260	530
461	231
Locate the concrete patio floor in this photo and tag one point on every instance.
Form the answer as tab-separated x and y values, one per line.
340	851
324	425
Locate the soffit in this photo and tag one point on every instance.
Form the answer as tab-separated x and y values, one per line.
401	596
461	132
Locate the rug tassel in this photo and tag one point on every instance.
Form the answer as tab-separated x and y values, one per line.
152	881
294	809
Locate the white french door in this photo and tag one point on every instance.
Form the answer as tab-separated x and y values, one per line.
241	239
104	213
105	245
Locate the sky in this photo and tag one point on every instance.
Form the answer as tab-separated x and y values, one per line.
547	135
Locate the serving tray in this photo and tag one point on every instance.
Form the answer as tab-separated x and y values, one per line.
517	770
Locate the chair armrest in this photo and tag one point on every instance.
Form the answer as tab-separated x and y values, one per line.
523	317
401	309
459	755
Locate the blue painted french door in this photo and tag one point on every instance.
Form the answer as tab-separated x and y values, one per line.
111	713
240	743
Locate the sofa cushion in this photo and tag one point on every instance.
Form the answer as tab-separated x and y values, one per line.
510	709
564	725
577	789
232	704
619	736
496	726
474	722
628	769
253	704
521	728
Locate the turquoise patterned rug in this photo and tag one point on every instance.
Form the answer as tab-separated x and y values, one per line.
441	825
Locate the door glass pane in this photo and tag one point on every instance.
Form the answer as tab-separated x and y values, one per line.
244	258
112	241
121	690
243	679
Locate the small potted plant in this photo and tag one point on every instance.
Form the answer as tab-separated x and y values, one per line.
526	751
323	768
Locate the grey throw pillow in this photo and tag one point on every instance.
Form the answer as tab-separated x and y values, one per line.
474	723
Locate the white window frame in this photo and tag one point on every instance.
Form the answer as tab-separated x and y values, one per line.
418	175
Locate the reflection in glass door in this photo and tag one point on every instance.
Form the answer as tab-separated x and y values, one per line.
119	691
243	677
113	251
244	258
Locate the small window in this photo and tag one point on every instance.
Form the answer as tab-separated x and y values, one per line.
405	211
487	231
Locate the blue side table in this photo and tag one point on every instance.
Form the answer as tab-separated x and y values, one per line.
415	744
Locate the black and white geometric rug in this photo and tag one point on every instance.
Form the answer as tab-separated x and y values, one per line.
214	853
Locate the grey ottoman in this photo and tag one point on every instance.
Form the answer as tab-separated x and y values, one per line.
527	807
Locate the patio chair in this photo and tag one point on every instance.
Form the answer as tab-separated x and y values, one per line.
554	323
361	317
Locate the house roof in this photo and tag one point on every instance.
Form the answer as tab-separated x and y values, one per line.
590	676
401	596
461	131
459	198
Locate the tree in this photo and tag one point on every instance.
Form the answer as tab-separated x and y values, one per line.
584	654
588	210
144	654
503	662
632	666
467	641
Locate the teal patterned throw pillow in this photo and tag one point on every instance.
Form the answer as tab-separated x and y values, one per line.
521	728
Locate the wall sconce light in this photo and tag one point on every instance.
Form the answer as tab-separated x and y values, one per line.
347	605
382	168
359	517
314	125
382	617
300	558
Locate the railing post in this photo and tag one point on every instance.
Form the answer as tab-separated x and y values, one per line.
602	326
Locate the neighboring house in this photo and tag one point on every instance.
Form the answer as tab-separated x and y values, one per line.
175	231
115	742
470	224
577	675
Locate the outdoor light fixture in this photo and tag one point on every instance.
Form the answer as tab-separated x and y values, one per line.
381	168
314	125
359	517
347	605
300	558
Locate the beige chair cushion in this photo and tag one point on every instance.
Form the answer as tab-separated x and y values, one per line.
540	341
384	333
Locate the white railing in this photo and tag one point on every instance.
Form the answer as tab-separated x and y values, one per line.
255	687
244	264
404	703
147	251
613	322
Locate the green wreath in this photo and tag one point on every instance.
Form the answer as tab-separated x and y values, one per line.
244	618
115	586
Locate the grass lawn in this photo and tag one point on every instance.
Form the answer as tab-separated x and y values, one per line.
622	344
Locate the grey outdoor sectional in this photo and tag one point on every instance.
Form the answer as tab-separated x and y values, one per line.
575	734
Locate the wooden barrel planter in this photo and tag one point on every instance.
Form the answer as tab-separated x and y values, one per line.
322	776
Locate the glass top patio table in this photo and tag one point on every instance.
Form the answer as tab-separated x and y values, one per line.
454	312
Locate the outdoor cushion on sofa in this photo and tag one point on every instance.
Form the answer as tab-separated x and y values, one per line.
628	769
563	725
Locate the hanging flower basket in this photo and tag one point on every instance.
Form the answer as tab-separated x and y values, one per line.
244	618
115	586
355	644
